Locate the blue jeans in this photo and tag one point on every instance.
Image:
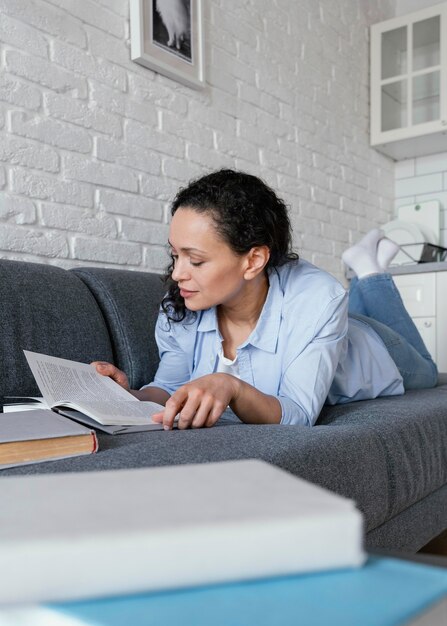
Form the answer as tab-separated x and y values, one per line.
376	301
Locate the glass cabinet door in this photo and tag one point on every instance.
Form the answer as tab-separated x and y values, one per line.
394	92
426	53
394	52
409	83
410	74
394	105
426	43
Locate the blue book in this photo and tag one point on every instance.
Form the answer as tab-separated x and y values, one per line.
385	592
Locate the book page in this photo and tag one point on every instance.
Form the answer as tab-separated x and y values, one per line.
12	404
68	383
111	429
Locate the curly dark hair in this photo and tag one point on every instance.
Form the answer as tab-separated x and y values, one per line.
246	213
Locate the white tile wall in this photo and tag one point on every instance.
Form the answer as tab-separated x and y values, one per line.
419	184
421	179
93	146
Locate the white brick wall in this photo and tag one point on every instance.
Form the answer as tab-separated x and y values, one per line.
423	178
93	146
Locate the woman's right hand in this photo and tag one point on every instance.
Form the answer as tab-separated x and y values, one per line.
108	369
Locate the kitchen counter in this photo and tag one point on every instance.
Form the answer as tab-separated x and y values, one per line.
411	268
418	268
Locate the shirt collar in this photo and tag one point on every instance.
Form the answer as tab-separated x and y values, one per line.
208	321
265	334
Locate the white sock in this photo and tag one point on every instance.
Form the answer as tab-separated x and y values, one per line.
386	251
362	257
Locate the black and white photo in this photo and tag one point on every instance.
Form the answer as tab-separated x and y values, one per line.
167	37
171	26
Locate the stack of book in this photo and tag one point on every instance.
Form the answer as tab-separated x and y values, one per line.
40	429
385	592
87	534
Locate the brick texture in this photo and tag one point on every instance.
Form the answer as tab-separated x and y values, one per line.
93	146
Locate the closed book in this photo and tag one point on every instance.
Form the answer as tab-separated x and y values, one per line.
41	435
80	535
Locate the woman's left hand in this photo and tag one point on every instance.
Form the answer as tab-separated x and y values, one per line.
200	402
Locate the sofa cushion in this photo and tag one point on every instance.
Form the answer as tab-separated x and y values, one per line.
412	431
129	302
412	529
338	463
385	454
389	454
45	309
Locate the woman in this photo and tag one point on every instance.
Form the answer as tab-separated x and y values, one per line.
247	325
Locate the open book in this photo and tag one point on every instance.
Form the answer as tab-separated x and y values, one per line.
78	391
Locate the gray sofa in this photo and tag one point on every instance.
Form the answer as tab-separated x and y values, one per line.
389	454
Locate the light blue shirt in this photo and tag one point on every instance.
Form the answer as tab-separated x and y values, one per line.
302	350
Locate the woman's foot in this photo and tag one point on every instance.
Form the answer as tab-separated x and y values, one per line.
386	251
362	257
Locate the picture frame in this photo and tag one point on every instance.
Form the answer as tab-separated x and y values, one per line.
167	37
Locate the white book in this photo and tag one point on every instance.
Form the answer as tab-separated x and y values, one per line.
92	534
78	386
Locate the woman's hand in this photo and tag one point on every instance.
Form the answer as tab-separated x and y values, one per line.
107	369
200	402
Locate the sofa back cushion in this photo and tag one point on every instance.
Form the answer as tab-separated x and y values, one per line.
129	302
45	309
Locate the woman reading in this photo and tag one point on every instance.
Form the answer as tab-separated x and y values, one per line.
248	331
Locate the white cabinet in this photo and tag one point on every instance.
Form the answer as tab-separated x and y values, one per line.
409	84
425	298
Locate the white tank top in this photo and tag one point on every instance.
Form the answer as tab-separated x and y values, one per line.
227	366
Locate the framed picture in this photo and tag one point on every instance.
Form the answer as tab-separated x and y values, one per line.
167	37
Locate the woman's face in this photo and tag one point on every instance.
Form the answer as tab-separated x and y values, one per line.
206	269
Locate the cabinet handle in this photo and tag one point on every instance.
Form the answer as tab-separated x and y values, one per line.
427	324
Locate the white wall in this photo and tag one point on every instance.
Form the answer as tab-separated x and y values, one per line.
408	6
92	146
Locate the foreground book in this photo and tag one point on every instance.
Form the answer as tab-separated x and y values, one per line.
385	592
40	435
98	399
70	536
